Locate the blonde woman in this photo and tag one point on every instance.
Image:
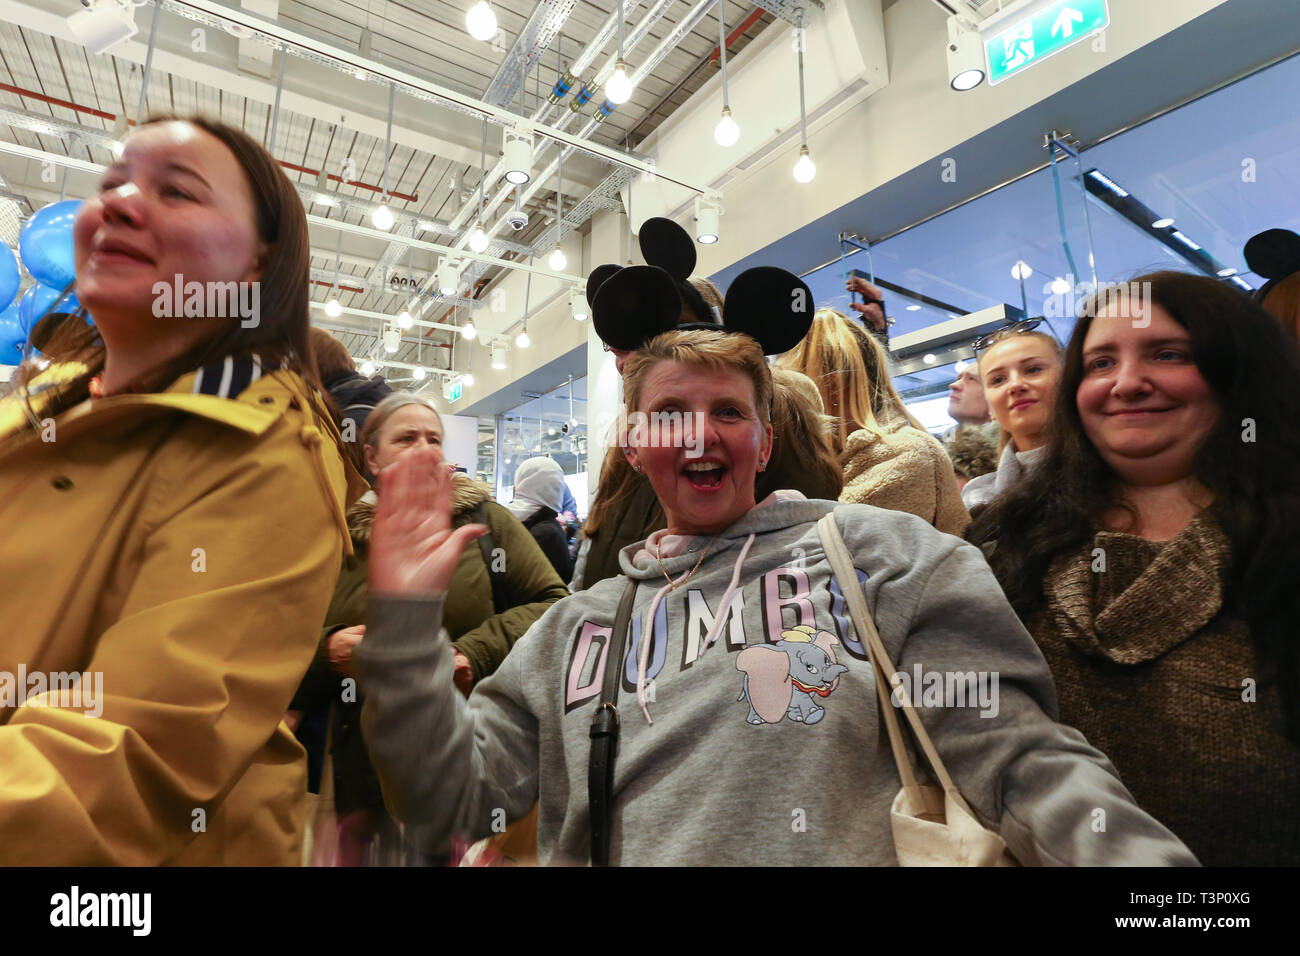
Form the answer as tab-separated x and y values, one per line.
889	460
1020	369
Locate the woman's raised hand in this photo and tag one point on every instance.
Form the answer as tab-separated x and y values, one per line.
413	549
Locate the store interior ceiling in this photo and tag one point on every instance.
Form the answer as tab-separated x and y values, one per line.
58	98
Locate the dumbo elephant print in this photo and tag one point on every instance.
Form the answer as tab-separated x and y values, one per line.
786	678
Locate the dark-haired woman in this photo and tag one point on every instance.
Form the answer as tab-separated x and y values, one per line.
1152	554
173	502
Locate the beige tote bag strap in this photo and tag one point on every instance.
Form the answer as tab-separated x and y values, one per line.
837	554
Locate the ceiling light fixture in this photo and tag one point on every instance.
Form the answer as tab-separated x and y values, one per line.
368	368
1060	286
382	217
522	340
1021	270
498	357
706	221
468	331
332	307
558	260
804	169
419	373
727	131
447	276
578	305
965	56
518	157
392	339
1162	223
404	321
106	24
618	88
478	240
481	22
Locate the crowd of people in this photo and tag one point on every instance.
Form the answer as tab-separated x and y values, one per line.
1082	592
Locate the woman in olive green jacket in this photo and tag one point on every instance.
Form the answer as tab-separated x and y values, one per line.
483	625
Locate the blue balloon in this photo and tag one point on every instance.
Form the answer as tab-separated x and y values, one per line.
12	336
10	279
45	243
38	300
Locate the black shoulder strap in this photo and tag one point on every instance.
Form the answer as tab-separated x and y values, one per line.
604	735
495	578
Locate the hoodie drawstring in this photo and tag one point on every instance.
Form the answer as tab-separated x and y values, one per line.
647	631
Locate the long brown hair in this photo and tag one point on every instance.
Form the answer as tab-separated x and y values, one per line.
280	336
1251	367
848	363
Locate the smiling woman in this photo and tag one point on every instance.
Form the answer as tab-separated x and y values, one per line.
1152	555
173	492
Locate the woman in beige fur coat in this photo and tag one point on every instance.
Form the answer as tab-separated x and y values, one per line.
889	460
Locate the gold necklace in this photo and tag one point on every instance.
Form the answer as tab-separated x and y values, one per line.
667	577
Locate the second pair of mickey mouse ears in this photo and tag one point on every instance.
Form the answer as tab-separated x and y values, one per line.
1273	254
630	306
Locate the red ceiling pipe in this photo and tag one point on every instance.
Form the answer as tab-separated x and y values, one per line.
67	105
342	288
748	22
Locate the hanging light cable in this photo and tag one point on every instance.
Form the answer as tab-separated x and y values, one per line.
558	260
726	132
478	240
382	217
805	169
332	307
618	88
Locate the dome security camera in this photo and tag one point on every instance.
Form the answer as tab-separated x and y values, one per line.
517	219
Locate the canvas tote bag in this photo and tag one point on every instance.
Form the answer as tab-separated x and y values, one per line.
932	825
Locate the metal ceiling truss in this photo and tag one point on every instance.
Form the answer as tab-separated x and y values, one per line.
789	10
252	27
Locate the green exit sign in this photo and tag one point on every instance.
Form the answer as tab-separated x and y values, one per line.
1013	46
454	391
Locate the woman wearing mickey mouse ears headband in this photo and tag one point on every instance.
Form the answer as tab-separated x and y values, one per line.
646	300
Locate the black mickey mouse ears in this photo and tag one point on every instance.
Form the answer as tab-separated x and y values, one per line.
1273	254
631	306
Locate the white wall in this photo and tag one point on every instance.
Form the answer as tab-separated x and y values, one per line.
460	441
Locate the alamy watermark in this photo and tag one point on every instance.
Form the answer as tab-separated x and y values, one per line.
72	690
1063	298
671	429
208	300
923	688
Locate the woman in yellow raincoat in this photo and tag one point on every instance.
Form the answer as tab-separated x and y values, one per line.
172	497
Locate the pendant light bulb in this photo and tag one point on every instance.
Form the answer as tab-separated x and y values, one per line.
558	260
481	22
419	373
618	88
727	131
522	340
467	379
333	309
805	169
404	321
382	217
468	331
479	240
368	368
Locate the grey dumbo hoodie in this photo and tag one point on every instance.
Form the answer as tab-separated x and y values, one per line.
743	752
